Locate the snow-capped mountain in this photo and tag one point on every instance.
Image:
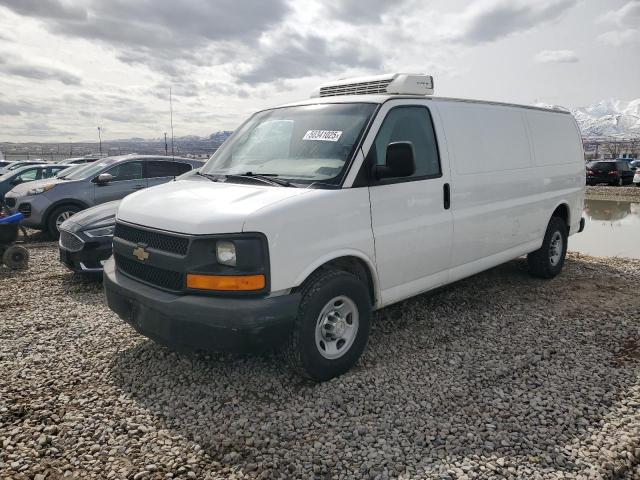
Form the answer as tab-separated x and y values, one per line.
609	118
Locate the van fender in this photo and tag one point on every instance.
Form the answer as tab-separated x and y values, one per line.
319	262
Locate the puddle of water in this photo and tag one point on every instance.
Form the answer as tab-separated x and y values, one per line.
612	229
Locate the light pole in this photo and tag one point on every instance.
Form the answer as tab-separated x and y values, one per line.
100	140
166	147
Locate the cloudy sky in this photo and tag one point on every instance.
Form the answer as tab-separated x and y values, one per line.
67	66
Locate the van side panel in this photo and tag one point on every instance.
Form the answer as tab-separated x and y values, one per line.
316	227
491	184
501	197
559	158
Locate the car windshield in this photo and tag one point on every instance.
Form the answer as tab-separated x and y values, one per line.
86	170
303	144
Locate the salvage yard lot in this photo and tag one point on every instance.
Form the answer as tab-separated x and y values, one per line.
500	375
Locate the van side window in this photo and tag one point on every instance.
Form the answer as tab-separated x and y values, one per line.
410	124
126	171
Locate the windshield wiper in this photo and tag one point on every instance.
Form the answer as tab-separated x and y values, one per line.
270	178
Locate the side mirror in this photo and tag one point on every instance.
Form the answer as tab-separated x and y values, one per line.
400	162
16	181
104	178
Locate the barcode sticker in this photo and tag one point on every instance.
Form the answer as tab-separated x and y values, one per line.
323	135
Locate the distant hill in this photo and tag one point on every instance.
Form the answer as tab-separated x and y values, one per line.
609	118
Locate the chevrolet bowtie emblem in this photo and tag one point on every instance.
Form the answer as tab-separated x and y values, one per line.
140	253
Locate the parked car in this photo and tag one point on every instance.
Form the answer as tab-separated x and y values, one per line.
612	172
85	238
313	214
22	163
635	165
27	173
636	177
46	204
4	163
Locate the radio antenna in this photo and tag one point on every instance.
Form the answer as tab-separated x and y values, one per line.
171	110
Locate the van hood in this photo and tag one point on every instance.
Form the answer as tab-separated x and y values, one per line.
199	206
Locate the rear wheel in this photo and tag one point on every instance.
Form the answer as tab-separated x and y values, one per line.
548	260
332	326
16	257
58	216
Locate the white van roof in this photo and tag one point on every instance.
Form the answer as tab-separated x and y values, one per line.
380	88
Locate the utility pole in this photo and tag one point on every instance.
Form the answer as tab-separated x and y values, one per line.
166	147
171	110
100	140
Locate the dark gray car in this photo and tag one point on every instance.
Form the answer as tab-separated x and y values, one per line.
46	204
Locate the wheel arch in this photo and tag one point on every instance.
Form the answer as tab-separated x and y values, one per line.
60	203
563	211
350	261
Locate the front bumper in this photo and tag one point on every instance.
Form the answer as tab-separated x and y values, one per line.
32	207
237	324
88	260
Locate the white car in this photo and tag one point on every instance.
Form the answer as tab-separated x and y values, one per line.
636	178
314	214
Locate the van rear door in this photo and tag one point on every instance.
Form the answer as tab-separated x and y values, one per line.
412	224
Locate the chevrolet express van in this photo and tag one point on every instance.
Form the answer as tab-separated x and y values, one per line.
314	214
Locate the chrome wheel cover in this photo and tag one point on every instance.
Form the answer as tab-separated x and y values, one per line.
337	327
555	248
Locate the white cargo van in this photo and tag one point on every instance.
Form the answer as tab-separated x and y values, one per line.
314	214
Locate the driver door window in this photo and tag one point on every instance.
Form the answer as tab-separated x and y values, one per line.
27	176
127	178
126	171
410	124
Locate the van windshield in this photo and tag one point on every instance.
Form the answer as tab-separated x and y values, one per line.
302	144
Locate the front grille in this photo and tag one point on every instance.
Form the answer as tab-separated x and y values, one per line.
159	241
159	277
25	209
70	242
11	202
362	88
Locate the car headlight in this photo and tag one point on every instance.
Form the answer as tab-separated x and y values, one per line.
100	231
41	189
226	252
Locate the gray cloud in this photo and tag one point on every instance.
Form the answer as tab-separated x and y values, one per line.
54	9
298	56
361	11
42	73
19	107
488	21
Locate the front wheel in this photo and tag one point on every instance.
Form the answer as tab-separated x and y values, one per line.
57	218
16	257
547	261
332	326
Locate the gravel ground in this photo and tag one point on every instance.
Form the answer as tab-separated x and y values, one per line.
631	194
496	376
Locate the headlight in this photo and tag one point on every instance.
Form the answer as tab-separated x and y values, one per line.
42	189
100	232
226	253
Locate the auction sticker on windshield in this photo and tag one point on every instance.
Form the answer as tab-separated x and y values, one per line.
323	135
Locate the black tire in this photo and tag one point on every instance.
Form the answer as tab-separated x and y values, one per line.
540	262
52	228
16	257
302	351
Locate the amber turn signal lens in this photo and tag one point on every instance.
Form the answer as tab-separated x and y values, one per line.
228	283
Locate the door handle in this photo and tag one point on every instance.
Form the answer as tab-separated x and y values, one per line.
446	191
139	187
